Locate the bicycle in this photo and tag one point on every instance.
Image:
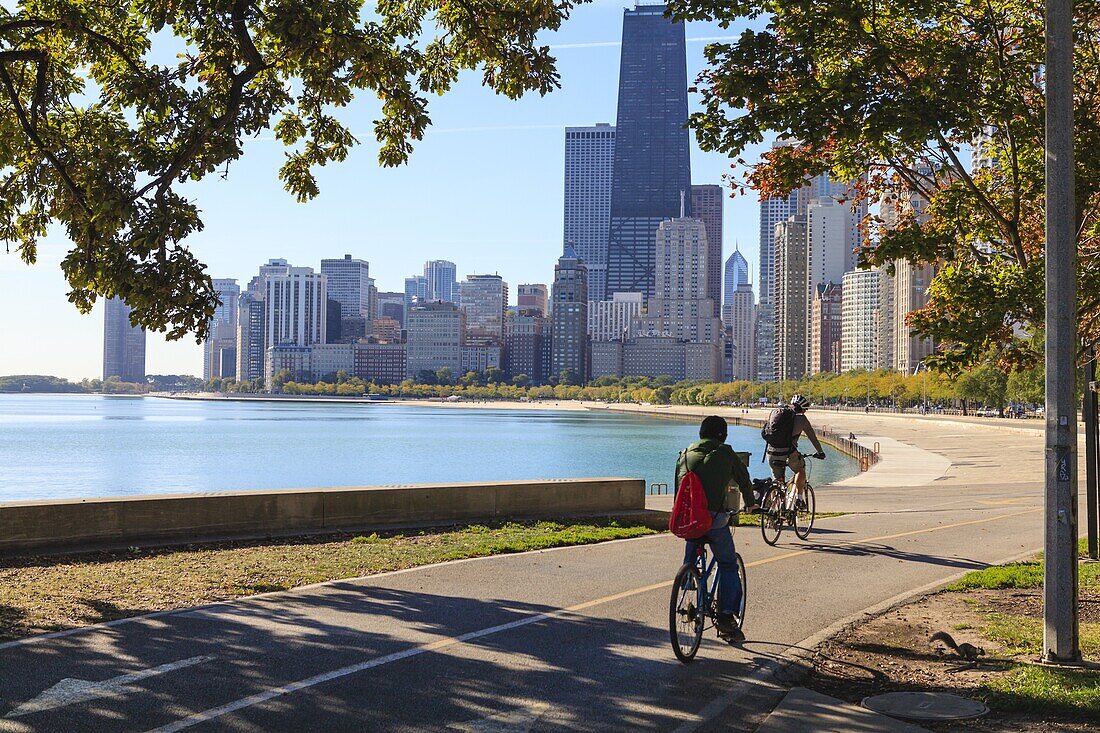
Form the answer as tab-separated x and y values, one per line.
781	506
695	602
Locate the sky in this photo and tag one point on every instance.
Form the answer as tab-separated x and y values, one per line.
484	189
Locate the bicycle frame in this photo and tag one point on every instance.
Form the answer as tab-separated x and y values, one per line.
708	579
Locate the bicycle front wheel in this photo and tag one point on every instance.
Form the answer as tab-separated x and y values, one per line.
804	514
685	617
772	511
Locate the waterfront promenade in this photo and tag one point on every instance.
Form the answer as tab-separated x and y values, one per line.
569	639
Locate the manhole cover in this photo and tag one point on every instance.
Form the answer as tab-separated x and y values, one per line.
925	706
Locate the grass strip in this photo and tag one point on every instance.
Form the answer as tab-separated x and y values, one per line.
1023	575
41	594
753	520
1047	691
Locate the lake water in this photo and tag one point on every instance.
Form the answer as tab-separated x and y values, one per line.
64	446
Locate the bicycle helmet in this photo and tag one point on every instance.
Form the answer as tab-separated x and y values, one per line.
799	403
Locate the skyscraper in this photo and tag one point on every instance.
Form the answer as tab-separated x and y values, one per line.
679	307
436	335
569	317
219	353
250	335
651	176
706	204
484	300
609	320
349	283
441	280
859	319
297	308
589	155
416	289
739	316
123	344
825	329
737	274
789	298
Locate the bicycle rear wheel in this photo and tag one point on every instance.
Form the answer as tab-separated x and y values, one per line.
804	515
685	617
772	513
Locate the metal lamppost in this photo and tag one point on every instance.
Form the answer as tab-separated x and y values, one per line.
1060	641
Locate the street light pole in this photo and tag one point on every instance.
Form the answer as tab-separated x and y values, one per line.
1060	574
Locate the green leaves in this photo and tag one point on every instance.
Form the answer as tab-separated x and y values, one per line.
96	130
903	92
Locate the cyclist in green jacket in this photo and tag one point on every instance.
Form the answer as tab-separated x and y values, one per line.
714	461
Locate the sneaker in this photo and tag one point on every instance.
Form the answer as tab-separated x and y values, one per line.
728	628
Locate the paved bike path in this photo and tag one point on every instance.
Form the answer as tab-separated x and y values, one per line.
571	639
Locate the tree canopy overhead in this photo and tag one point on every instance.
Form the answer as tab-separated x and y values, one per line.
902	92
97	132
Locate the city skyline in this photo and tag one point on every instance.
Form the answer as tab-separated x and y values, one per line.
478	144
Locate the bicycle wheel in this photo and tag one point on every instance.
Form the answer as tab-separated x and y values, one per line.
772	513
744	592
804	514
685	618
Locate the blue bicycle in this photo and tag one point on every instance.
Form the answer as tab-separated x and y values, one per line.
694	605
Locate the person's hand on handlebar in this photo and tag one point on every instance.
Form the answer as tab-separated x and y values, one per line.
819	456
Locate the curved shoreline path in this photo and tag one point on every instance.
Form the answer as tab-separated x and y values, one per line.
565	639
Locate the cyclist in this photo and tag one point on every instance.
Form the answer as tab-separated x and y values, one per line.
714	461
786	454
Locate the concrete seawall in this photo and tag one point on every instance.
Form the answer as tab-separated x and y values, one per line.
58	526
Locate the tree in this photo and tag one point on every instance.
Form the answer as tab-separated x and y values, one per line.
444	376
99	131
521	380
494	375
984	383
426	376
896	93
568	377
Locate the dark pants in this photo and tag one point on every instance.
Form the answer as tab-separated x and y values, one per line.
720	540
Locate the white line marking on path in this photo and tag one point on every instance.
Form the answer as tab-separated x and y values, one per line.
270	694
71	691
517	720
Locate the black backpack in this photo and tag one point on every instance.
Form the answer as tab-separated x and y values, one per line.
778	431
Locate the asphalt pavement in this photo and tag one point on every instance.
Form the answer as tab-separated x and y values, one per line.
565	639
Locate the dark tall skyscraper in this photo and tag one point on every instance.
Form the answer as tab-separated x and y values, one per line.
706	204
123	344
652	170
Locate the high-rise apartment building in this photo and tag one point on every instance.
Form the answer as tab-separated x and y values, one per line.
651	175
910	292
679	307
825	329
609	320
436	333
589	156
123	344
441	280
740	322
219	352
789	298
349	283
569	317
526	342
251	327
706	204
416	288
534	296
860	292
484	299
296	308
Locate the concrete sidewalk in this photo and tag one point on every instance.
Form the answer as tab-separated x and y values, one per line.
806	711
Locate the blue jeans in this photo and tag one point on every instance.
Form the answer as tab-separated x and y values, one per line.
720	540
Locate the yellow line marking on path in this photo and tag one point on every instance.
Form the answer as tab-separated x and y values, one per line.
264	696
1005	502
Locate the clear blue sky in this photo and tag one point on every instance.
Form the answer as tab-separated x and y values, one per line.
484	189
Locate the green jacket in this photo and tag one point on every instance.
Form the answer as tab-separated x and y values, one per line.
716	464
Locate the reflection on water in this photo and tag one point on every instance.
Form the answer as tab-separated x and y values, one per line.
80	446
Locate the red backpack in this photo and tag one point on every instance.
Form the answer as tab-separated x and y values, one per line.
690	518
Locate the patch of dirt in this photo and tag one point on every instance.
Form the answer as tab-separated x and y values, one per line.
892	652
